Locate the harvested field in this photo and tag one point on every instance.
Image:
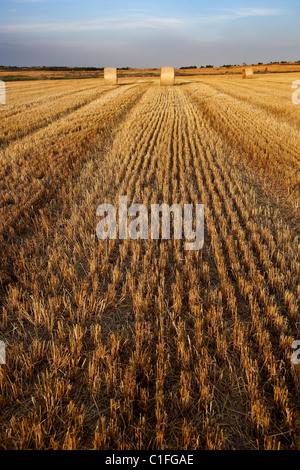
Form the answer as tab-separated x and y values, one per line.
123	344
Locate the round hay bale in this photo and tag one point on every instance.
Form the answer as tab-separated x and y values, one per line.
110	76
167	76
247	73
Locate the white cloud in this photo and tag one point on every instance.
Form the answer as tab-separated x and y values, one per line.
137	21
25	1
118	23
227	15
248	12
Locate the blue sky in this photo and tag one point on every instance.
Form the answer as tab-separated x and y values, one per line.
149	33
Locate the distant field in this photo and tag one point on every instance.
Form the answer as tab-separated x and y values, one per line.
141	344
40	74
264	68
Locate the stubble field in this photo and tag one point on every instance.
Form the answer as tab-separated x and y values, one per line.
123	344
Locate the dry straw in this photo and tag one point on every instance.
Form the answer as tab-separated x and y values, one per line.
247	73
167	76
110	76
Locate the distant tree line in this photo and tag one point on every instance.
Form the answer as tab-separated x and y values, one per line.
195	67
68	69
189	67
97	69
